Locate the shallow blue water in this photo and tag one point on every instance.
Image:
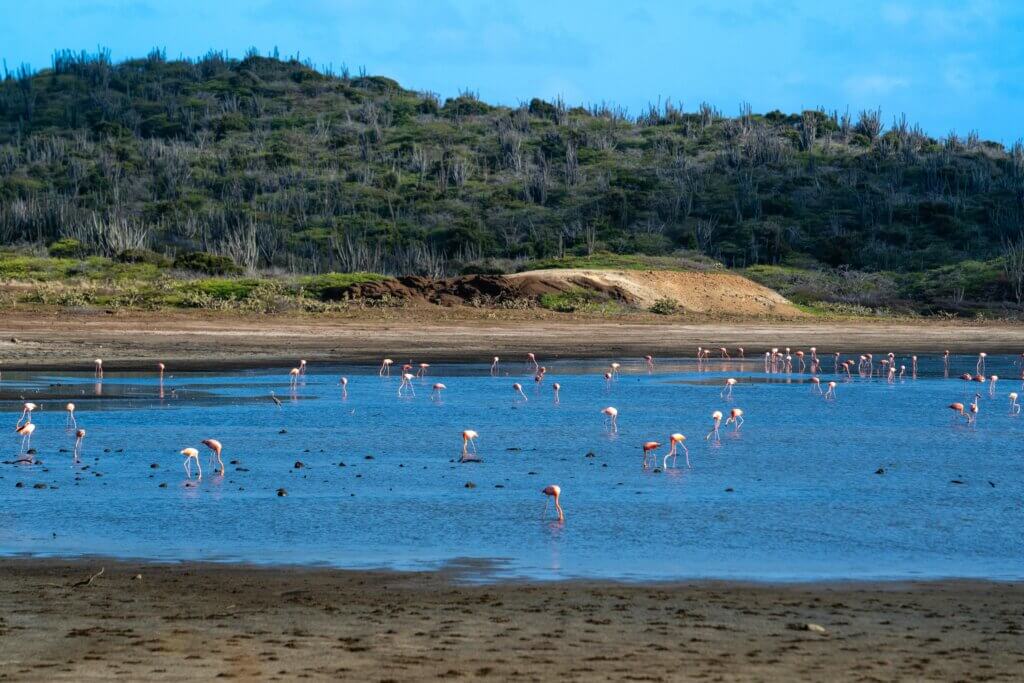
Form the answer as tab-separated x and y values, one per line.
793	496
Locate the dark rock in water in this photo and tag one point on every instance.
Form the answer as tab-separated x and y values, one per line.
119	450
106	450
531	473
62	450
729	490
14	340
513	449
992	484
499	486
281	493
470	485
880	470
40	485
283	431
656	470
341	464
163	486
368	457
955	481
31	451
604	465
299	464
590	454
233	462
19	485
154	466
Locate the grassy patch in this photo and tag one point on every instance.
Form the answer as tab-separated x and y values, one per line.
580	301
609	261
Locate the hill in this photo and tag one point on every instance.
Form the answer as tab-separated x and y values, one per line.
278	165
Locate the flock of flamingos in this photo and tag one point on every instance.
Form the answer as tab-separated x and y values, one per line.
775	361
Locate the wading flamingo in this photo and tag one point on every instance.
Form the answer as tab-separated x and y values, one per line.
958	410
531	359
1014	406
190	455
25	431
98	371
716	421
739	350
77	451
992	385
215	451
556	387
293	377
676	441
615	368
979	367
553	491
815	385
517	389
830	395
736	417
727	389
973	416
423	369
26	413
436	392
649	447
613	418
469	438
724	352
406	383
494	366
302	367
385	367
650	362
160	367
72	423
344	387
275	399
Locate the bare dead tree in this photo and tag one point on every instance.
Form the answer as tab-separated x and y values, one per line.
869	123
808	130
1013	265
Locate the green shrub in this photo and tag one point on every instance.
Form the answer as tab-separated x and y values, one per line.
68	247
665	307
143	256
205	262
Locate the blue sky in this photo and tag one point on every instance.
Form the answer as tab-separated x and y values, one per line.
947	65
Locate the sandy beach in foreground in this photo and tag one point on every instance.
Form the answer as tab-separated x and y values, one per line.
201	621
200	339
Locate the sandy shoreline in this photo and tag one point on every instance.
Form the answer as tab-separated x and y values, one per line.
198	340
201	621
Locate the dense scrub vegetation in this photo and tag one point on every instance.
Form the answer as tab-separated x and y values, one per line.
275	165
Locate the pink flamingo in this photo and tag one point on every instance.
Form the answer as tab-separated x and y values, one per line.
557	388
727	389
980	365
973	417
992	385
815	385
739	349
437	389
190	455
406	384
836	357
531	358
553	491
344	387
98	371
800	359
215	451
293	377
724	352
1014	406
676	440
716	421
913	367
736	417
650	362
607	377
469	438
385	367
830	395
615	368
302	367
25	431
517	389
494	366
958	409
649	447
77	451
72	423
160	367
945	363
613	418
423	369
26	413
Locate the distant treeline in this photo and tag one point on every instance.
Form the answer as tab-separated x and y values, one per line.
278	165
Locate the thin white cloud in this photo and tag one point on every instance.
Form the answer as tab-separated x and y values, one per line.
874	84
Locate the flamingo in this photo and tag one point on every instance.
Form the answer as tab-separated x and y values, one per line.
736	417
727	389
973	416
160	367
958	409
650	362
385	367
469	440
98	371
406	384
557	388
275	399
615	368
607	377
1014	406
649	447
676	440
992	385
25	431
553	491
437	389
344	387
816	385
190	455
739	349
716	420
913	367
494	366
215	451
72	423
531	358
831	393
980	365
800	359
77	451
293	377
517	389
302	367
423	369
613	418
26	413
724	352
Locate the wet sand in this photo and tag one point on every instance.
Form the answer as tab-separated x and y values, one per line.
194	340
201	621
